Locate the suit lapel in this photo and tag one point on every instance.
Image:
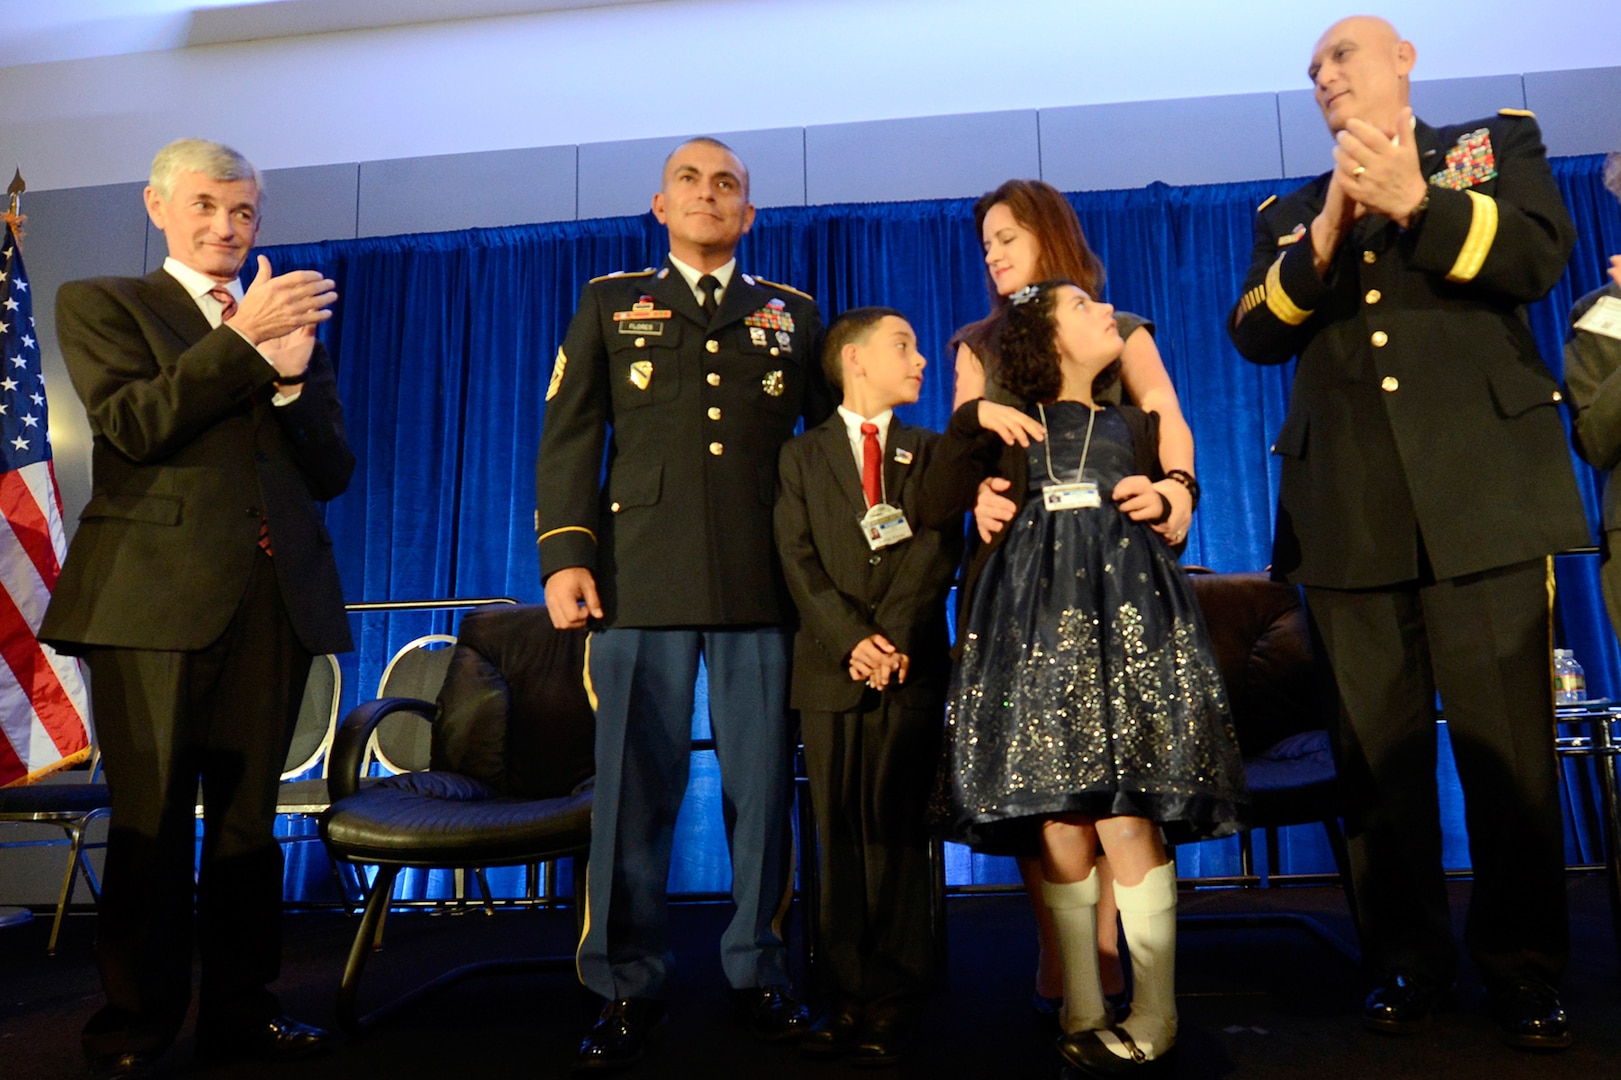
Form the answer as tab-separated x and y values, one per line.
904	439
833	446
740	299
670	290
167	299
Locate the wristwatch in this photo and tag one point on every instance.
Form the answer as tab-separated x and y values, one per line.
1416	214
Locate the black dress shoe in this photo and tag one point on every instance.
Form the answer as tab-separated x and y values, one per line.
834	1034
771	1012
1087	1052
131	1066
620	1035
280	1038
1529	1015
883	1041
1402	1004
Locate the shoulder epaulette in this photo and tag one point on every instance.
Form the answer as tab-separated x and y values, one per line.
1270	199
1516	112
623	274
785	288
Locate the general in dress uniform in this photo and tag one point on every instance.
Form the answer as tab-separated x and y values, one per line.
1425	482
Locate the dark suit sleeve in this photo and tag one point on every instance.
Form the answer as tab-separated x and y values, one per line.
831	617
142	410
819	403
1593	374
315	433
1512	244
568	471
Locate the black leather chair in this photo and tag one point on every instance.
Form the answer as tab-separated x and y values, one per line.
1282	710
509	782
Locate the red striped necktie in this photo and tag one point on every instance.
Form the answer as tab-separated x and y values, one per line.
872	466
227	301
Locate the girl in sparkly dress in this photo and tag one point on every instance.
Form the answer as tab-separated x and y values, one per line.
1086	696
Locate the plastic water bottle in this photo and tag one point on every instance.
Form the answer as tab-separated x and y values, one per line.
1569	680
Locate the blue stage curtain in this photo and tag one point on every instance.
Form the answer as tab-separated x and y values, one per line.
444	342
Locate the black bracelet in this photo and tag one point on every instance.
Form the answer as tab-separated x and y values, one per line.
1185	478
291	380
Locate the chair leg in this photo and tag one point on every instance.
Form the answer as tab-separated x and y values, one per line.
367	939
484	890
75	831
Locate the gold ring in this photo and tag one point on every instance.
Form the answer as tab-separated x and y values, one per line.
1359	170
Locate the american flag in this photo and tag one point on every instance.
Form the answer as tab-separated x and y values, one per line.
43	711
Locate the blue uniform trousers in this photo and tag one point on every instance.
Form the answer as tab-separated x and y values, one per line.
643	684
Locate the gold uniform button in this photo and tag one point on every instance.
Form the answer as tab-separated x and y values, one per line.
712	346
641	343
774	350
1374	296
1379	338
717	449
713	378
614	508
1389	384
1557	396
1369	257
714	413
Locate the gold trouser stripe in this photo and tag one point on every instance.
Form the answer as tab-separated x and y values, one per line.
585	923
565	529
1478	243
1553	594
590	691
1278	302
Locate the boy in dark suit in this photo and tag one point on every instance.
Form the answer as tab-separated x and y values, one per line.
869	678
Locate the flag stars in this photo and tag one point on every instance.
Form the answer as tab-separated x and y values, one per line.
8	384
37	398
31	420
22	286
20	443
17	361
28	341
12	305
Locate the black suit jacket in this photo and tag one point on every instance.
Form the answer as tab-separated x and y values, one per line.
691	413
188	455
1420	405
845	591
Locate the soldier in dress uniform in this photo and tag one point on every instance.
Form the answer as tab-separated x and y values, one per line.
1426	480
690	377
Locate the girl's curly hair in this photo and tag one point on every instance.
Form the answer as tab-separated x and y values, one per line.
1029	367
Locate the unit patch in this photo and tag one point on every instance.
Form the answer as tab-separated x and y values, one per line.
641	374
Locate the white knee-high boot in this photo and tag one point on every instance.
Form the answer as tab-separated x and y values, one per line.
1074	907
1148	920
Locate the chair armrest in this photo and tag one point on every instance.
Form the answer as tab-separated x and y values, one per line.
349	743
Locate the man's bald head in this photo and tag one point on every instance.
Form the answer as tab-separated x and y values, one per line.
1360	68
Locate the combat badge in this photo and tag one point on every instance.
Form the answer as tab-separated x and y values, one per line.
557	375
757	337
784	341
772	383
641	374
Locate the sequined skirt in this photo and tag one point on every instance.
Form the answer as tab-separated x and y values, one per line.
1087	686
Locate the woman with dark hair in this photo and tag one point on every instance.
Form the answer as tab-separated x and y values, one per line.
1086	705
1030	233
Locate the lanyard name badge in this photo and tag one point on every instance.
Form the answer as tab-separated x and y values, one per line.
1079	495
884	525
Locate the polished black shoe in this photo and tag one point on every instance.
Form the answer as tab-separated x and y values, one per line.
883	1041
619	1037
1087	1053
131	1066
1529	1015
834	1034
771	1012
280	1038
1402	1004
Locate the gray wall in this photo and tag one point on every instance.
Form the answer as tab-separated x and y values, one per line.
80	232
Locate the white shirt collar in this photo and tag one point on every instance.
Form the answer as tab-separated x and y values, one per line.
723	274
197	285
852	427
